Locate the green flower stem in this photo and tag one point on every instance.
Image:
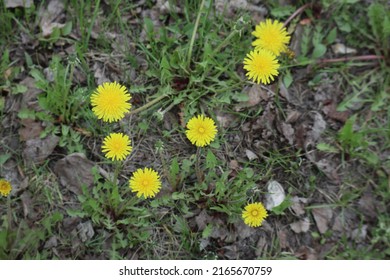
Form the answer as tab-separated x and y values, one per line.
165	170
199	172
194	34
9	213
115	198
66	93
147	105
126	204
225	42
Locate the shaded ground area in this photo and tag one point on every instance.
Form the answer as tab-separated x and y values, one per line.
315	142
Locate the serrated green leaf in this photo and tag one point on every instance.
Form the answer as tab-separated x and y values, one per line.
178	195
346	132
207	231
174	169
211	160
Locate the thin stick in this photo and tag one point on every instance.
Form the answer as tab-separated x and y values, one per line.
297	12
342	59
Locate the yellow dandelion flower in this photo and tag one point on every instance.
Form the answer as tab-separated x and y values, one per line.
261	66
110	102
254	214
201	130
117	146
5	187
145	182
272	36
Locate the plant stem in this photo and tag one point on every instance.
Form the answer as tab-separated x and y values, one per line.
166	173
224	42
95	12
147	105
194	34
66	94
115	191
199	173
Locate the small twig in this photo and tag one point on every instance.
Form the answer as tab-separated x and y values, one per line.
297	12
351	58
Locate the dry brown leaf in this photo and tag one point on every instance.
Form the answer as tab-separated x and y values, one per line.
51	242
243	230
261	246
51	16
322	217
306	253
85	231
328	166
330	111
255	94
70	223
234	165
250	155
283	239
275	195
367	205
288	132
31	129
28	208
360	233
317	129
293	116
225	119
73	171
231	252
30	97
202	220
340	48
99	74
37	150
297	206
338	224
166	7
301	226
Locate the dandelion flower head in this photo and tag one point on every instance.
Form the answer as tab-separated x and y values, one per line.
110	102
117	146
145	182
272	36
254	214
261	65
5	187
201	130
